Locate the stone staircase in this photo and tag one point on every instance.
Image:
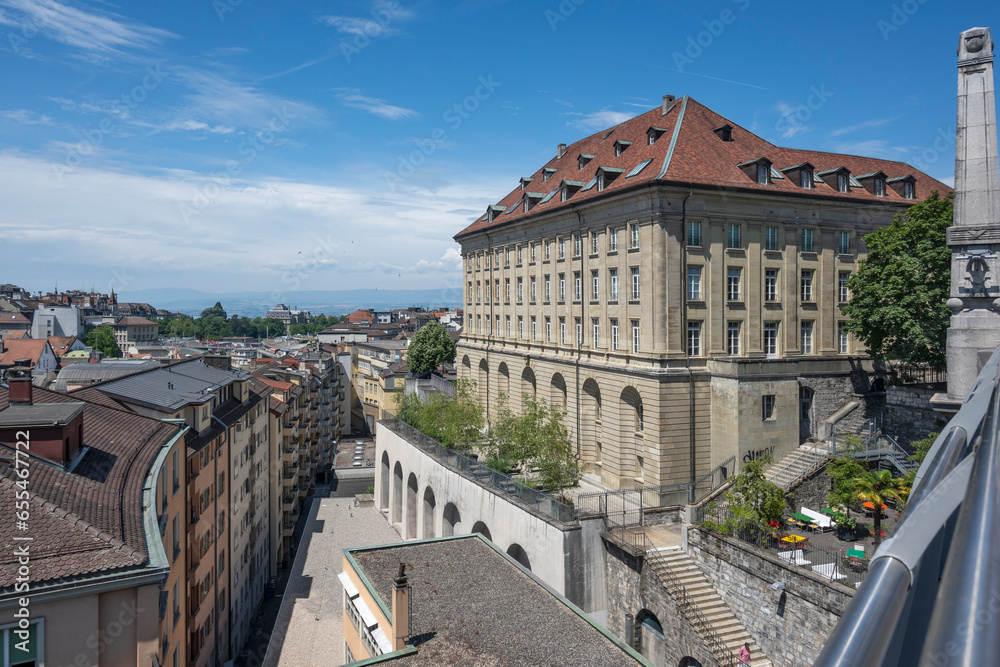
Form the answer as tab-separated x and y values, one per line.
719	627
797	465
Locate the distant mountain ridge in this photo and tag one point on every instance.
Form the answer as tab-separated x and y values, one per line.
254	304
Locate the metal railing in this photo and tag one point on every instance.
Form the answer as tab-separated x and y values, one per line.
788	467
495	480
930	597
694	613
906	374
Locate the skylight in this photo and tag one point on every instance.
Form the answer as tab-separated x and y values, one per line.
776	175
591	183
638	168
855	183
549	196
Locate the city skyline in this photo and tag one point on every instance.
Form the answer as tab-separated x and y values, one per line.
261	148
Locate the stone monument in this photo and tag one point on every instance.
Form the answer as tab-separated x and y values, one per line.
974	237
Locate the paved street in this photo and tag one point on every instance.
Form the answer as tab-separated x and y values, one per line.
309	627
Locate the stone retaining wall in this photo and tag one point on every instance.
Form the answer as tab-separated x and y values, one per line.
792	625
908	413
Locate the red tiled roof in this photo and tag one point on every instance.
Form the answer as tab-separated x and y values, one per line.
13	318
277	384
133	322
699	157
7	334
101	498
61	344
23	348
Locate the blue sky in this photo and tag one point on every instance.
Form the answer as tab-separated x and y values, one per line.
250	145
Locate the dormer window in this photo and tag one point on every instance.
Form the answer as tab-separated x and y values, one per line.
905	186
605	176
758	170
524	182
874	183
843	183
879	187
546	173
806	179
568	189
532	198
839	178
654	133
583	159
724	132
620	146
493	212
803	173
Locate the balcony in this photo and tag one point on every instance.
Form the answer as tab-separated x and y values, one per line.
287	528
289	474
287	502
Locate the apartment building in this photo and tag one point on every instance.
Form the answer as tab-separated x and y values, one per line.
132	331
106	587
675	283
377	376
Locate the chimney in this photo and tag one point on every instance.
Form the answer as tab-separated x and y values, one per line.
19	383
560	150
400	609
668	104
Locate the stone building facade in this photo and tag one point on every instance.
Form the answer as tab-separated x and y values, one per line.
674	285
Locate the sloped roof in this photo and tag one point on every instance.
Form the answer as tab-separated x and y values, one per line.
22	348
88	520
61	344
689	152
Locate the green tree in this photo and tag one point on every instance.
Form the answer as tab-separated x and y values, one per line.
103	339
898	294
921	447
875	487
535	438
216	310
431	346
845	472
755	499
463	421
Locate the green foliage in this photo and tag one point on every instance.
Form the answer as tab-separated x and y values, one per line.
875	487
103	339
921	447
454	422
431	346
753	498
215	311
845	472
898	294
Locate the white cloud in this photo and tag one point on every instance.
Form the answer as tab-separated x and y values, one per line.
355	100
379	23
26	117
600	120
105	33
194	125
877	122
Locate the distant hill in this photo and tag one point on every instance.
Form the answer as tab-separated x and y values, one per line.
253	304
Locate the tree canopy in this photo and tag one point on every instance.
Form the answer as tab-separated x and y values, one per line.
217	311
103	339
431	346
212	324
897	306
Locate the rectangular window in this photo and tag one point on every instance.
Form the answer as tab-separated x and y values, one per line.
694	339
176	473
694	233
635	335
562	286
534	328
506	289
506	259
634	234
498	333
577	286
807	240
771	238
577	245
614	334
595	243
509	331
520	290
497	282
533	293
596	329
562	248
733	338
548	251
733	284
694	283
520	326
767	406
807	285
548	288
843	184
614	284
807	337
562	330
762	174
479	291
909	191
519	254
842	291
842	341
635	283
595	284
533	247
734	238
479	323
844	243
771	339
579	330
806	179
613	239
548	329
770	284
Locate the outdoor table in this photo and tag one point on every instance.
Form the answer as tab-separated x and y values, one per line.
804	518
794	540
829	511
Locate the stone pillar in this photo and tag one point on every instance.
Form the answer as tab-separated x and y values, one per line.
974	237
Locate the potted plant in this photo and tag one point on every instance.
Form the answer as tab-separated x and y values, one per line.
847	527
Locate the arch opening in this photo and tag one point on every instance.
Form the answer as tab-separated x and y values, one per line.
516	551
411	507
451	520
482	529
429	505
383	497
397	493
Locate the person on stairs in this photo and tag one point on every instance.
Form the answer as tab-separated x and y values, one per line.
745	654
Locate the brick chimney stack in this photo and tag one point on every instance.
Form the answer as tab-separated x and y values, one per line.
19	383
668	104
400	609
560	150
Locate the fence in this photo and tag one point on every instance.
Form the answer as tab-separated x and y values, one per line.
626	505
501	483
828	563
903	374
